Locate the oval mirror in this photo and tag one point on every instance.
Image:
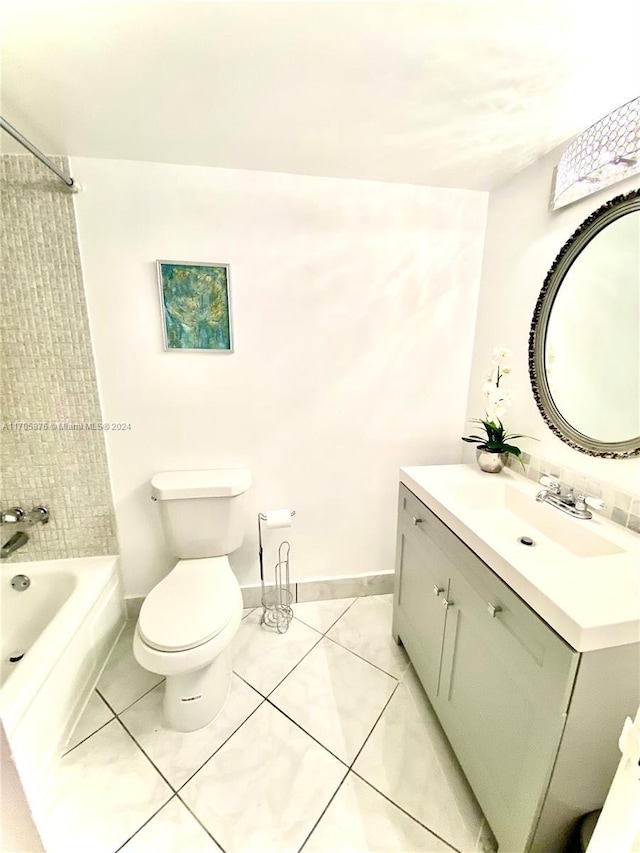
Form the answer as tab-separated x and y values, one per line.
584	344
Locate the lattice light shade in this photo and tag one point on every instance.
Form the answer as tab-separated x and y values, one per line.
605	153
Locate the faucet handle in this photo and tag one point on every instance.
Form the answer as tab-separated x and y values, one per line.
552	485
37	514
583	501
594	503
12	516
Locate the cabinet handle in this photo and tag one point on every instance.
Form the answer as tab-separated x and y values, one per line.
446	602
416	520
493	608
437	589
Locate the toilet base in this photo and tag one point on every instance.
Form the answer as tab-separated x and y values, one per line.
193	699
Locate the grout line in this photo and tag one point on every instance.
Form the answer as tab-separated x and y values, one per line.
150	760
237	674
324	633
173	797
94	732
226	740
196	818
291	720
398	678
131	704
320	638
331	799
386	704
404	811
85	739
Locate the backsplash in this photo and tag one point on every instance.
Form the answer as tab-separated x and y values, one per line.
621	507
52	449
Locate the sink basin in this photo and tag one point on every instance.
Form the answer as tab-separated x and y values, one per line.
509	510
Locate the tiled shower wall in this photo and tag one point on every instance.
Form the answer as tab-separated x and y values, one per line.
52	449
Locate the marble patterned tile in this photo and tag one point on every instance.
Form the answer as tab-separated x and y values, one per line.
408	758
321	615
101	793
265	788
173	830
335	696
360	820
262	657
179	754
358	585
366	630
123	680
94	716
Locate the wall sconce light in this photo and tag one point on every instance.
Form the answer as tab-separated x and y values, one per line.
605	153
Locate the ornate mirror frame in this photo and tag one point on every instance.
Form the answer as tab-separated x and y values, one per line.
593	225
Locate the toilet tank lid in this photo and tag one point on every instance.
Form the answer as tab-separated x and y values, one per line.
210	483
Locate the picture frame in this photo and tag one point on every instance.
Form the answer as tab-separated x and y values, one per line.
195	306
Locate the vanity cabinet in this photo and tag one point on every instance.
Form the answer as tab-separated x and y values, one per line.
500	680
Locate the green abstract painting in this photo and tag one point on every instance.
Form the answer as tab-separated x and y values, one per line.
196	308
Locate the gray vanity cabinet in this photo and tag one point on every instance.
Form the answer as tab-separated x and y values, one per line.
425	584
498	677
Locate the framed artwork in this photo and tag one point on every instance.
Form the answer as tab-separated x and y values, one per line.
195	301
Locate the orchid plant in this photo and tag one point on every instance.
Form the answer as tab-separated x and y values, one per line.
497	400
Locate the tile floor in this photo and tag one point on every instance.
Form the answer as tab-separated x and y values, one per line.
326	744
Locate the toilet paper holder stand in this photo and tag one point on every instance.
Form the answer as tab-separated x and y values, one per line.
277	599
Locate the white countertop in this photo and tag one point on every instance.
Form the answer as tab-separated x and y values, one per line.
593	602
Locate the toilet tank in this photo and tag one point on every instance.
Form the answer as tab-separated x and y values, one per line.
202	512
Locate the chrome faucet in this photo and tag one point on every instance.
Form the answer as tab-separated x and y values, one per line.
563	498
17	541
16	515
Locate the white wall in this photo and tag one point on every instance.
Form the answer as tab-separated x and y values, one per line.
522	240
354	307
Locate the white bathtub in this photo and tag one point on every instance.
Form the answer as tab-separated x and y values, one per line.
66	622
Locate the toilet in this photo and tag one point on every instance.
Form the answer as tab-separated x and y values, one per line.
187	621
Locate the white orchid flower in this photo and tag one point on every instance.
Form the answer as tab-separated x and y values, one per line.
499	397
494	412
501	354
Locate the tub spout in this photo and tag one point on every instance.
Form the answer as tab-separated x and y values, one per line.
11	545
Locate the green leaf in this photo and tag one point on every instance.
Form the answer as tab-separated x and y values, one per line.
510	448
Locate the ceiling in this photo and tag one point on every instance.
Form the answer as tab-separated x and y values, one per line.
456	93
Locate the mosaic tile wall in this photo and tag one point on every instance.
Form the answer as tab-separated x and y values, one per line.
621	507
50	450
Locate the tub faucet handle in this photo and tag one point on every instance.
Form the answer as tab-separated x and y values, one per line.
14	515
37	514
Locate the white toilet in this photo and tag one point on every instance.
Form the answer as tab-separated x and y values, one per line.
189	619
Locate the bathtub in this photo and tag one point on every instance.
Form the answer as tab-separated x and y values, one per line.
65	625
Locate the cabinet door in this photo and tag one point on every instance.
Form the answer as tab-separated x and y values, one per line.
422	581
504	690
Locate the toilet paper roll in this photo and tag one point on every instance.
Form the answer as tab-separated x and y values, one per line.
278	518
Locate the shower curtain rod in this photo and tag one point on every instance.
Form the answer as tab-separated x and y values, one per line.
71	184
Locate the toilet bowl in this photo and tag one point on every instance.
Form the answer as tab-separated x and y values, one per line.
188	620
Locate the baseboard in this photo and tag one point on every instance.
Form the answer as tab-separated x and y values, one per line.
355	586
380	583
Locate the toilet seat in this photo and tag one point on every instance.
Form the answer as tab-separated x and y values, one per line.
190	606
